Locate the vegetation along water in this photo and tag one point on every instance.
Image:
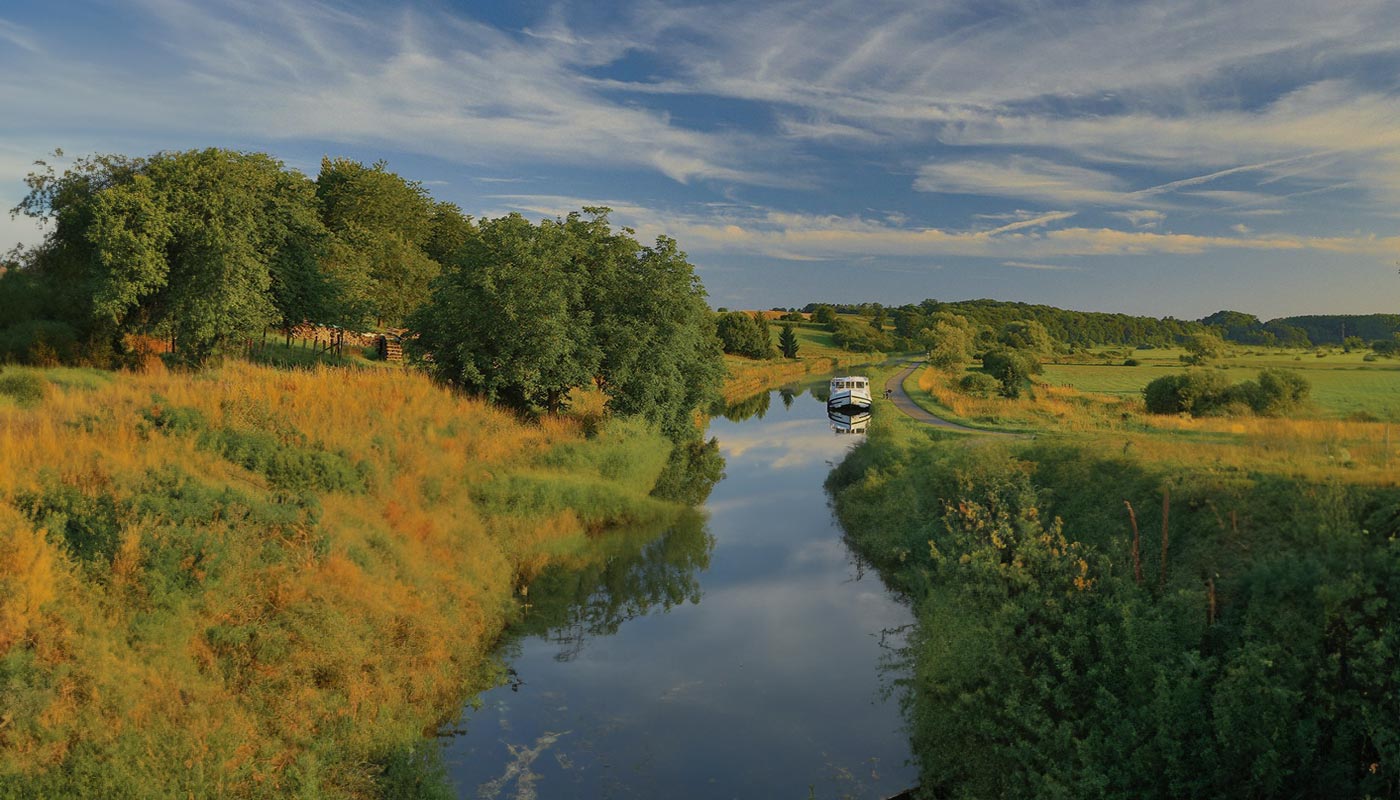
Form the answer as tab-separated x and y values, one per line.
246	551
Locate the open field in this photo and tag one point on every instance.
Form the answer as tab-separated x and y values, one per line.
1316	446
1343	384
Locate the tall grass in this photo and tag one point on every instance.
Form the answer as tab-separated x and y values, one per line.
251	582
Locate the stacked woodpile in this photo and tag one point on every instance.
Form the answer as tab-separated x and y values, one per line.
390	348
329	335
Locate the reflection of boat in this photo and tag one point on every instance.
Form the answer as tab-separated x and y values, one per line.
852	421
849	391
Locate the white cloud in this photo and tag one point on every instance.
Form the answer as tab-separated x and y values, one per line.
1142	218
416	81
797	236
1021	177
19	36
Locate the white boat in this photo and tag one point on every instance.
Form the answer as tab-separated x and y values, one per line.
849	391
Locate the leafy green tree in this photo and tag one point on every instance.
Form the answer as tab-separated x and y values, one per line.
951	342
1203	348
744	335
506	321
381	224
859	338
787	342
1195	392
449	230
657	353
878	317
1027	335
205	246
1353	343
526	313
1012	368
824	315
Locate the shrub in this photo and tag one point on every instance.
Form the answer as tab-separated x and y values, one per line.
40	342
1013	368
1201	392
744	335
1130	362
1195	393
978	384
26	388
89	525
860	338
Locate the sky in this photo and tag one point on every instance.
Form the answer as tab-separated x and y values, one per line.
1170	158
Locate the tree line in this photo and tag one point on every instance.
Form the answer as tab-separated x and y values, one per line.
206	249
1077	328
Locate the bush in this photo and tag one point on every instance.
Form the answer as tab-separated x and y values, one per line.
860	338
26	388
1195	393
744	335
1013	368
1200	393
1130	362
978	384
88	524
40	342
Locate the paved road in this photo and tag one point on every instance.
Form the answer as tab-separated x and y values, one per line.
906	404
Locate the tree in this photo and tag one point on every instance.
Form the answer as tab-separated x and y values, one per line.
658	355
1195	392
878	317
506	321
204	247
381	224
1026	335
1012	368
950	341
850	335
525	314
744	335
787	342
824	315
1351	343
449	230
1202	348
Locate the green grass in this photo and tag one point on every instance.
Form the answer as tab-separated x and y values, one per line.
1343	384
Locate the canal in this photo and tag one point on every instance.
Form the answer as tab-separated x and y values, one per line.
742	653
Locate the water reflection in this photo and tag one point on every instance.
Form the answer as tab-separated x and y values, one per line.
624	576
750	661
748	408
848	420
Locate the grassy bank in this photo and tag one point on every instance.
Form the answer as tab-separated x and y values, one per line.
1244	646
250	582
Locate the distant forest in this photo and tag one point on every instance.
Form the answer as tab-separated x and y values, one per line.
1098	328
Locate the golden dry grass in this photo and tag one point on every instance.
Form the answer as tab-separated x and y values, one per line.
219	654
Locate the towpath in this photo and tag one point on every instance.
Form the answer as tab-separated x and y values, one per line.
906	404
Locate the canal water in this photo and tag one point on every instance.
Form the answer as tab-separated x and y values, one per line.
742	653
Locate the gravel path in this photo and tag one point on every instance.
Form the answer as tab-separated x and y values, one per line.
906	404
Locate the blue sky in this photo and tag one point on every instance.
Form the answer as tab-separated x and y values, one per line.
1168	158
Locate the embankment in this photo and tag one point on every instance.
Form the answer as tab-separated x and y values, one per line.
249	582
1234	637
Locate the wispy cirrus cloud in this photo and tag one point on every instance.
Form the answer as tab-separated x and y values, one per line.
416	80
813	237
